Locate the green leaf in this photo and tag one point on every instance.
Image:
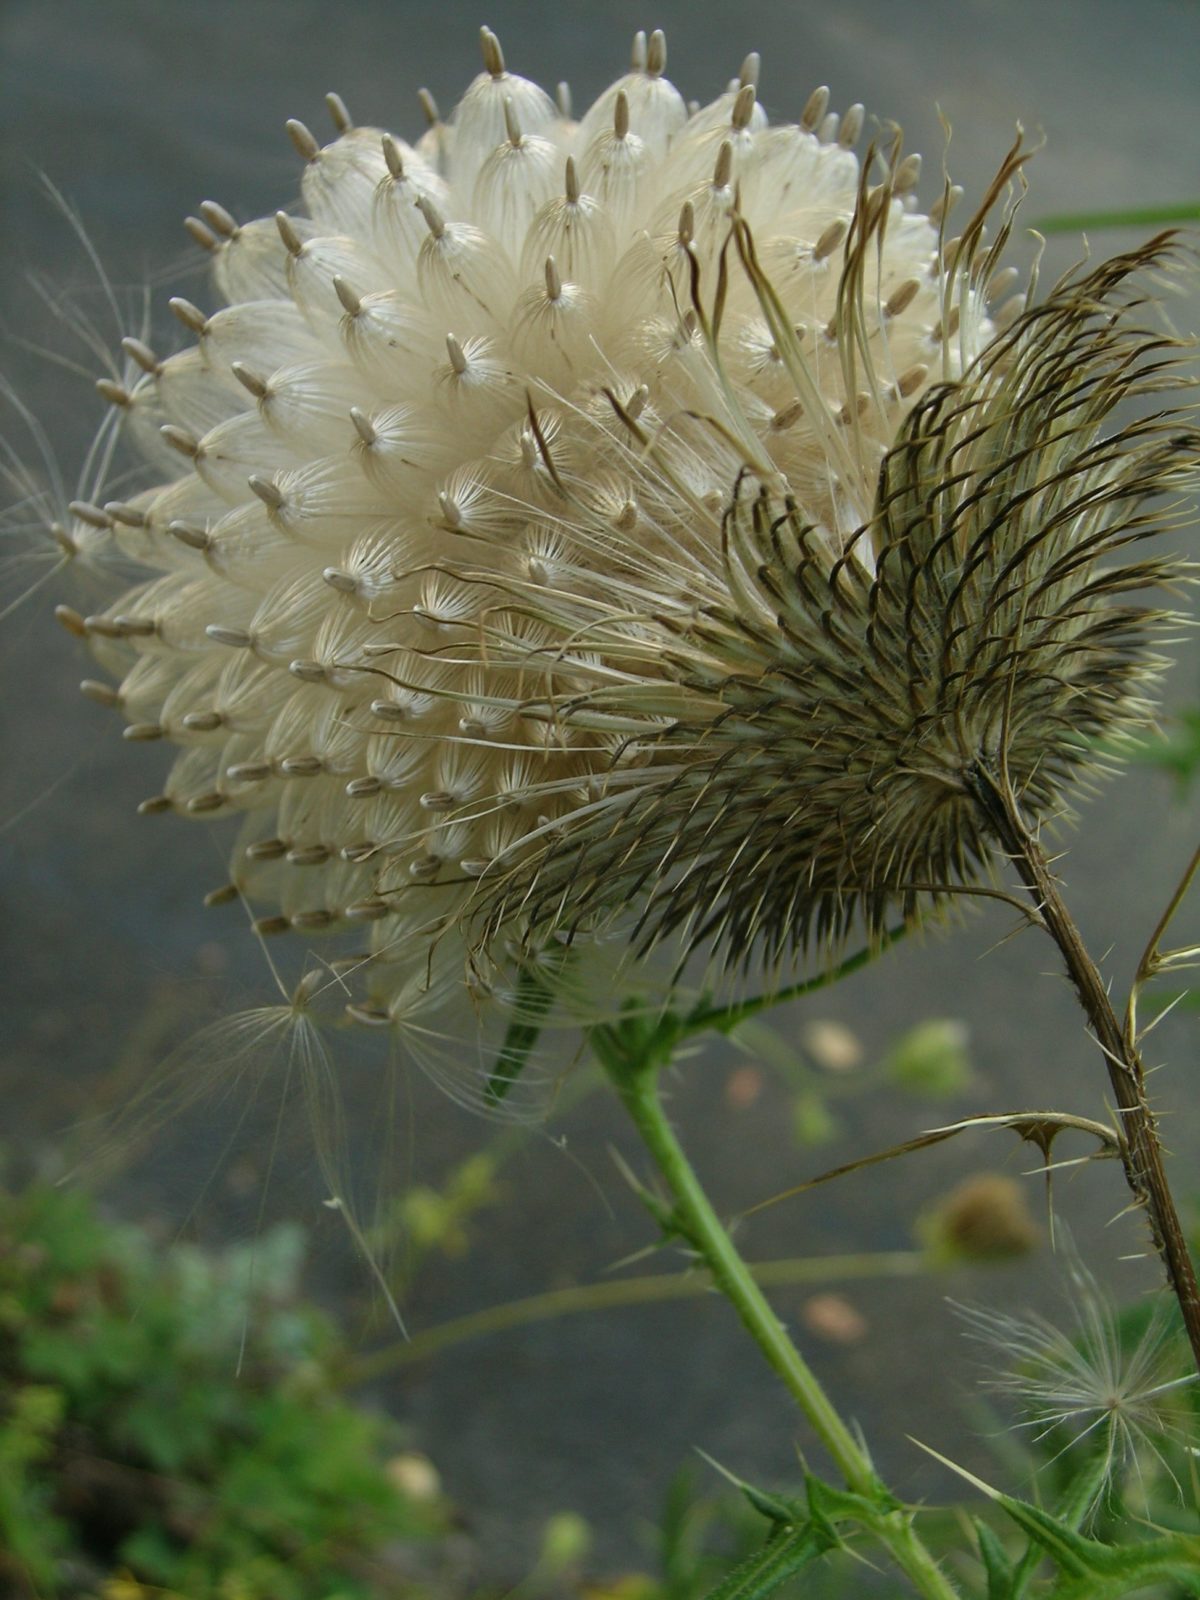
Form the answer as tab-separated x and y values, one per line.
781	1510
1178	750
266	1485
29	1534
830	1504
798	1538
776	1508
1095	1571
774	1564
1140	1568
1074	1552
996	1565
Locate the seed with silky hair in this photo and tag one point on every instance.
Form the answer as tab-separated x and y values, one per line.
637	521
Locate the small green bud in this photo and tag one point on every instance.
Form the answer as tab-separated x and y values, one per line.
812	1121
931	1059
565	1541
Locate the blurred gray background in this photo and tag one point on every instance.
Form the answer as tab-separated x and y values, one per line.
135	110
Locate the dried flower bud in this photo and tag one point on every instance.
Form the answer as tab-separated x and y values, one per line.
985	1218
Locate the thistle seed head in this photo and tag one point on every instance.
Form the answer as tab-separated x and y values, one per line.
837	705
639	522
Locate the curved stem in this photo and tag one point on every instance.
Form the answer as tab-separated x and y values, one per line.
1138	217
1153	960
1142	1150
707	1018
621	1293
635	1075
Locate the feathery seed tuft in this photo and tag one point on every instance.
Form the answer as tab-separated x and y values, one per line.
649	521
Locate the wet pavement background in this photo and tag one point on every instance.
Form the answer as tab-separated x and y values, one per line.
136	110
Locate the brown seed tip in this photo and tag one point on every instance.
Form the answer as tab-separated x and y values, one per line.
351	303
621	116
391	154
218	219
338	114
493	55
815	108
306	145
142	354
102	693
429	107
201	233
71	621
94	516
743	107
180	439
287	232
190	315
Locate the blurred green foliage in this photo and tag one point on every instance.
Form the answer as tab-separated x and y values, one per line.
931	1060
1177	751
826	1062
169	1424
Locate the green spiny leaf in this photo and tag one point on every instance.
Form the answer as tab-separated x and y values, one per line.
996	1565
774	1564
775	1507
824	1501
1138	1567
1074	1552
1095	1571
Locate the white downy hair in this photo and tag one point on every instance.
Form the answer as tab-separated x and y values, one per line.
576	531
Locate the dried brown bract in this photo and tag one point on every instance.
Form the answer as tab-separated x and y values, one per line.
996	614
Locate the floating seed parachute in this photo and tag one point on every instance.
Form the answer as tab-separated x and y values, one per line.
650	522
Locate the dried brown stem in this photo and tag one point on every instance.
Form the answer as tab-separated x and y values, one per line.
1142	1153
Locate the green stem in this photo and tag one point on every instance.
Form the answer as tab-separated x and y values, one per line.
1144	217
635	1076
649	1289
723	1019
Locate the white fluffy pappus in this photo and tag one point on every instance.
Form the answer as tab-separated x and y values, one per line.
456	440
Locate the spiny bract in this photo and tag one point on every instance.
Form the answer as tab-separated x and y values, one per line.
641	520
